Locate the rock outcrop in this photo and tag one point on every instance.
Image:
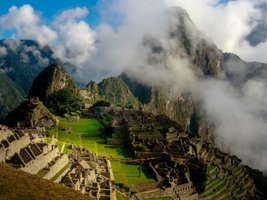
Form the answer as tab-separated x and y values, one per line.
31	113
50	80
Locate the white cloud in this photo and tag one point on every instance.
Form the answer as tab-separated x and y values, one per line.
228	25
27	24
76	39
70	15
12	44
239	113
3	51
239	116
35	53
69	35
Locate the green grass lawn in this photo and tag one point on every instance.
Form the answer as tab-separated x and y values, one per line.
86	133
129	174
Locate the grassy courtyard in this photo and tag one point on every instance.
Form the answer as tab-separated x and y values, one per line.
86	133
128	174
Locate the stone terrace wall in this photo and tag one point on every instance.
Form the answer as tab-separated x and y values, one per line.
41	161
15	146
4	132
2	155
53	170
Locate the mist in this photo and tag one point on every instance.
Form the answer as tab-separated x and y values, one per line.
134	37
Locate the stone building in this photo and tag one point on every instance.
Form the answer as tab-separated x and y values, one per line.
32	154
91	175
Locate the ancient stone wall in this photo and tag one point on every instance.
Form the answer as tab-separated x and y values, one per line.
40	162
4	132
54	169
2	155
15	146
62	175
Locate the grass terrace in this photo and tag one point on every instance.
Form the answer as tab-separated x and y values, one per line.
128	174
86	133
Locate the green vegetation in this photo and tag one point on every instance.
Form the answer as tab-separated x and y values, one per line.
18	185
50	80
194	122
260	180
11	95
141	91
119	196
101	103
22	71
113	90
64	101
42	172
86	133
128	174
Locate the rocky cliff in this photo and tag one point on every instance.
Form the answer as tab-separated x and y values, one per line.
50	80
20	62
113	90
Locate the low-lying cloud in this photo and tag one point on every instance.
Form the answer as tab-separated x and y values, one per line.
140	42
3	51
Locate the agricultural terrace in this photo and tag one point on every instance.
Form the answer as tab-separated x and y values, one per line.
86	133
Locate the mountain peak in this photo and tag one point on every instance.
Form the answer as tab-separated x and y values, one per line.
50	80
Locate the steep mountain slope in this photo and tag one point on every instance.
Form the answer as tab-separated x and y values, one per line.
18	185
199	49
20	62
50	80
238	71
23	60
10	95
184	41
139	90
113	90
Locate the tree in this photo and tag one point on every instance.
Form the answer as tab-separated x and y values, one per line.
64	101
194	122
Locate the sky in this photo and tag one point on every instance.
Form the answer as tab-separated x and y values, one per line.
237	26
105	37
48	11
50	8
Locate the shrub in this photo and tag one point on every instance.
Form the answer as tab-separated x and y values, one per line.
64	101
102	103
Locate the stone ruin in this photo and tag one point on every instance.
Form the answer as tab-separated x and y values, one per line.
31	113
179	161
90	174
32	154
